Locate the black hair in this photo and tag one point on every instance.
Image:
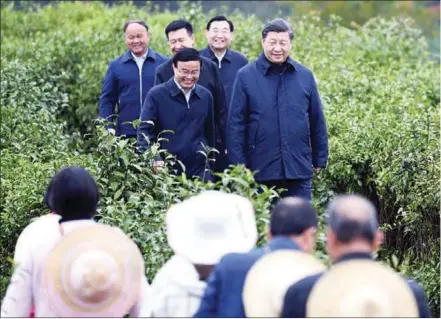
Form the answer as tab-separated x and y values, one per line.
292	216
185	55
135	21
220	18
177	25
278	25
343	218
72	193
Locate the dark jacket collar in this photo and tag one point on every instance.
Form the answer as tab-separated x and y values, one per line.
281	242
264	64
175	90
351	256
228	55
151	54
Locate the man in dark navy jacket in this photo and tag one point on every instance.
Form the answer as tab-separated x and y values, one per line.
180	35
276	124
353	234
185	108
219	35
293	226
129	78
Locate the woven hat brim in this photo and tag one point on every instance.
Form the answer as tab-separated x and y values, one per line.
361	288
130	270
271	276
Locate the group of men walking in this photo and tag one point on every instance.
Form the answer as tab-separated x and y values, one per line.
265	114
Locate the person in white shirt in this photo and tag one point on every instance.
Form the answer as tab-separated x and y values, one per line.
200	231
72	196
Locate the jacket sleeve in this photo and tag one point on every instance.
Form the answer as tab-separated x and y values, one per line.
220	104
209	301
147	130
237	123
18	299
318	130
421	299
209	124
158	76
109	95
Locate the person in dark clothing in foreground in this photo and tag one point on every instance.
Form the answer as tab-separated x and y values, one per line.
184	107
293	226
353	235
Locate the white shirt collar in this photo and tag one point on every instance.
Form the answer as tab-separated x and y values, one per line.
141	57
187	95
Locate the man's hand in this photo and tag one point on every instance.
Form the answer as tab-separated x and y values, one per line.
158	166
317	169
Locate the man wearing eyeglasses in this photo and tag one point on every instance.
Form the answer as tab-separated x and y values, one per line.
128	79
180	35
183	111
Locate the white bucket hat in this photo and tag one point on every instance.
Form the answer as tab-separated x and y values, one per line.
94	271
271	276
361	288
207	226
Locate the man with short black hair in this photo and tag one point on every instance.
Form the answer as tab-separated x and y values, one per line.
185	108
293	226
129	78
219	33
276	125
353	235
180	35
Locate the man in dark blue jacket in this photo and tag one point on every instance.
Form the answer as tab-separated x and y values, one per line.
185	108
129	78
293	226
180	35
219	35
353	234
276	124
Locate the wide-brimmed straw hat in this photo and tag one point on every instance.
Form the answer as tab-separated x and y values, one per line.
361	288
94	271
271	276
207	226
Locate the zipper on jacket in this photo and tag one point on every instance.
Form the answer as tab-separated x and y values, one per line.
140	84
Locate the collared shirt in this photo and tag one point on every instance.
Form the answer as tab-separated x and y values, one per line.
188	94
140	60
219	58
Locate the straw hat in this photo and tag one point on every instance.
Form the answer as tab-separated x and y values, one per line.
207	226
271	276
94	271
361	288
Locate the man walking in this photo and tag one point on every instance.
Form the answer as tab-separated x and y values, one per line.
129	78
185	108
276	124
180	35
219	35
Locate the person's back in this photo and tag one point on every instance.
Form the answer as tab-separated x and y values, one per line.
353	236
176	289
293	224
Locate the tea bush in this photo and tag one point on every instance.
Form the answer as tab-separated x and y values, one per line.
379	88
